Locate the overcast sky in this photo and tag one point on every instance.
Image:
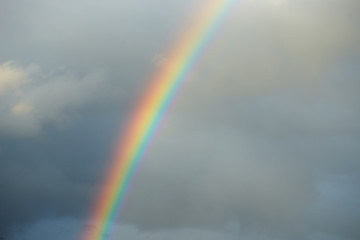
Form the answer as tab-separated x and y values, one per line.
262	142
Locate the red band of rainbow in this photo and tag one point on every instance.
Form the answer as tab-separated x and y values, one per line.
149	113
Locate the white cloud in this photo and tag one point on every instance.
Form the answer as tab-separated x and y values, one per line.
11	78
30	97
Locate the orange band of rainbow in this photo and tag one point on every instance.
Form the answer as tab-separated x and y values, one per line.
150	111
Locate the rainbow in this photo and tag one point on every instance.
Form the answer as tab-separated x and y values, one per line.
150	111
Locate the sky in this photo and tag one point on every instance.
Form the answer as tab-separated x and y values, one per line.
261	142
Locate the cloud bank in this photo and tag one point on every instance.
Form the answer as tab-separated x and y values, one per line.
262	139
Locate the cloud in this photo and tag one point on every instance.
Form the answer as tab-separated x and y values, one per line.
263	112
284	66
31	98
71	229
11	78
264	134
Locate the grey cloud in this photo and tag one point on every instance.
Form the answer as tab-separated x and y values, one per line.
70	228
31	98
216	175
90	33
55	173
269	106
337	205
264	134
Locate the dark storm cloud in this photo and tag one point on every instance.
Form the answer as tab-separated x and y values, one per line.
55	174
264	137
75	66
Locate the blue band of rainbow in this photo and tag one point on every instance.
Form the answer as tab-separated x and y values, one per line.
150	111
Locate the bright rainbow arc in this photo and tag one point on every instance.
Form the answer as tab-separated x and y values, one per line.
149	113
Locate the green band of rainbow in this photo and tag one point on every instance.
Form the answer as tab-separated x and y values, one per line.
150	111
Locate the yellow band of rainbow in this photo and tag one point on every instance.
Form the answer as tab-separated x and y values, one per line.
150	111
